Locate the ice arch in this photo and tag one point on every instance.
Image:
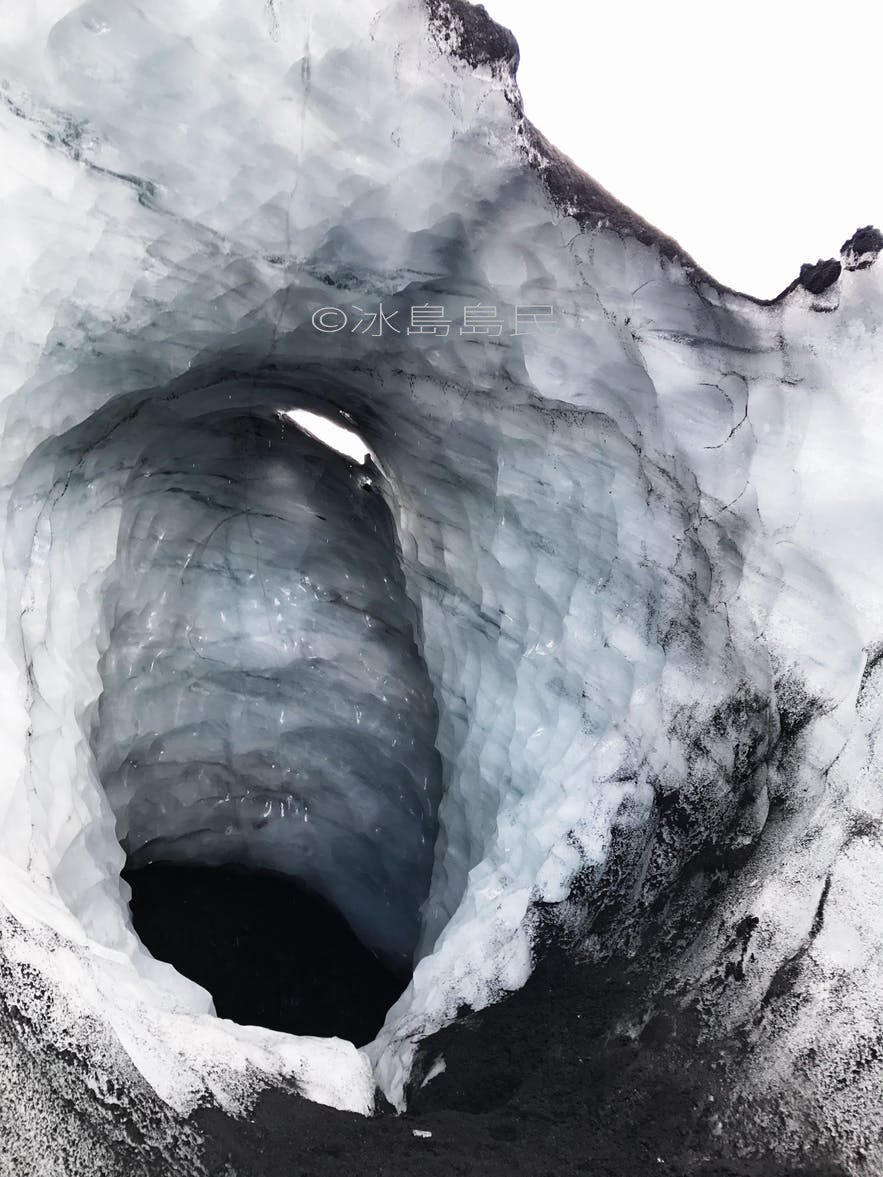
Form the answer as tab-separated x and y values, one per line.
262	697
546	673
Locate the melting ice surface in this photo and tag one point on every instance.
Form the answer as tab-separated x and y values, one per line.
575	586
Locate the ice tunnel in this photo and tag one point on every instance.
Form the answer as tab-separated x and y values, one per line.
263	701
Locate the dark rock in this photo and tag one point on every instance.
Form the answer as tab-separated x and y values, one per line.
817	278
470	33
861	250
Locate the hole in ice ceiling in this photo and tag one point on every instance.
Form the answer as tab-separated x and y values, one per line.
270	951
337	437
261	699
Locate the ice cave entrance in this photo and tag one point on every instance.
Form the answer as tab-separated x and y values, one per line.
263	724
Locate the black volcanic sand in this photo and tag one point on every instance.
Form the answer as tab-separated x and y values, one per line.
270	952
544	1084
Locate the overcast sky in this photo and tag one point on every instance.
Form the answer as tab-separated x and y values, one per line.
750	132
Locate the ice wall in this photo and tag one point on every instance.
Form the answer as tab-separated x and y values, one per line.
262	698
613	547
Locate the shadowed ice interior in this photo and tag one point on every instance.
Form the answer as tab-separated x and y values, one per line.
265	724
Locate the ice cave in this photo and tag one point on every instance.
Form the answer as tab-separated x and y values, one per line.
497	790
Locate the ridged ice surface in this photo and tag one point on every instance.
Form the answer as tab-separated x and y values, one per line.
263	700
597	564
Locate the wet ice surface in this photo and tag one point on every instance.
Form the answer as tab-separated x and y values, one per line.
613	570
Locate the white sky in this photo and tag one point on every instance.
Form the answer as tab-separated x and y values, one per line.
336	437
750	132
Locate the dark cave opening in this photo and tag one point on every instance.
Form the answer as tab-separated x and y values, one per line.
269	950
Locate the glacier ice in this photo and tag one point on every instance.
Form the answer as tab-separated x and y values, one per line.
606	595
262	700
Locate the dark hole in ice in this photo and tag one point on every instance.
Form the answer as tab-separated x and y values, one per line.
270	951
